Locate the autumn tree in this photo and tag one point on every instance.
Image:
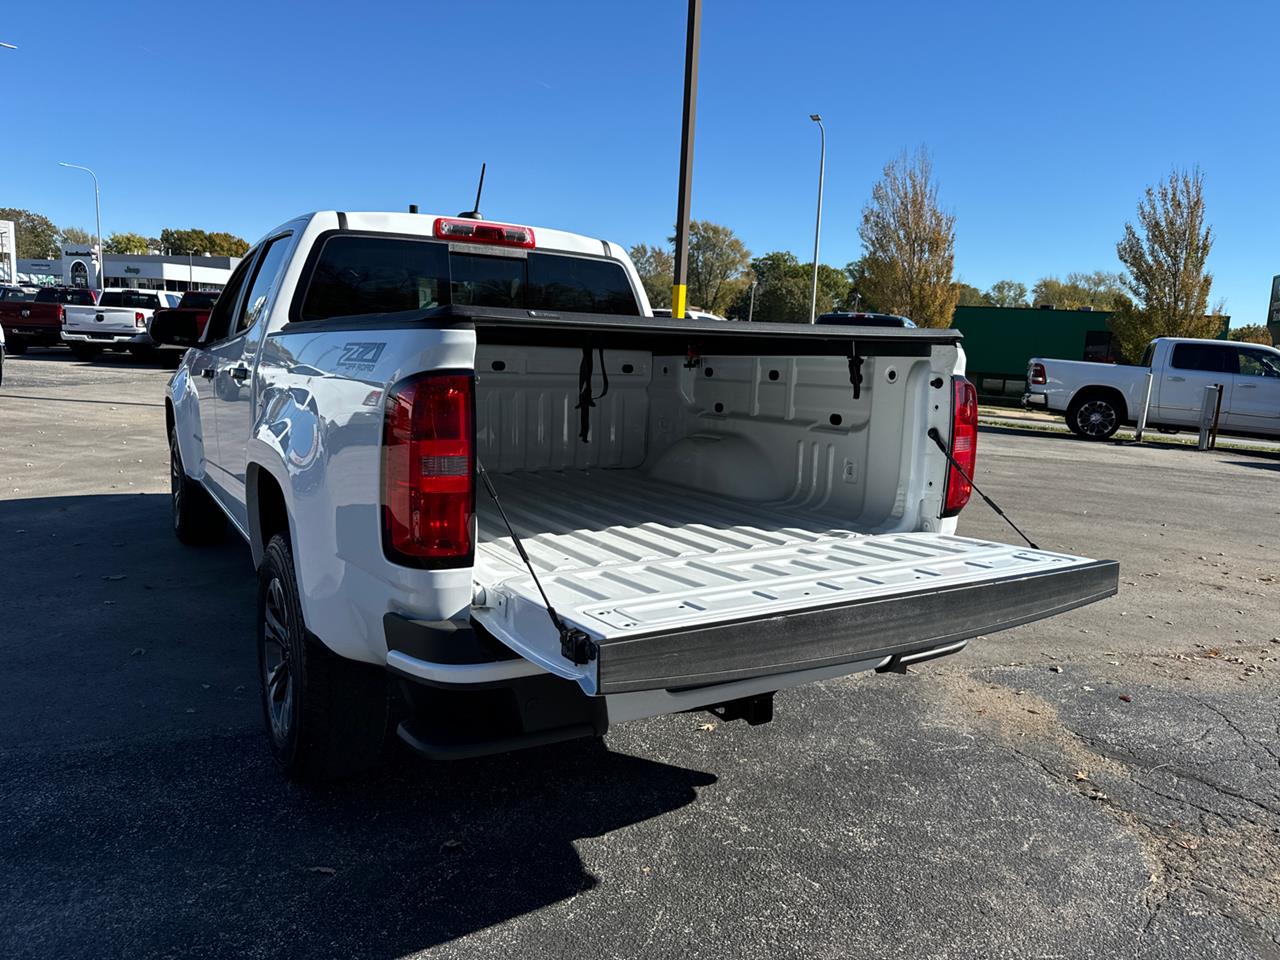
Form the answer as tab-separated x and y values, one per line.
127	243
1165	255
656	267
197	242
1250	333
909	244
35	236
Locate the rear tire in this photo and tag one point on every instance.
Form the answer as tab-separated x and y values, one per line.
85	352
326	716
196	518
1095	416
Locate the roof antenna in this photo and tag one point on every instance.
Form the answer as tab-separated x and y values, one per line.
474	214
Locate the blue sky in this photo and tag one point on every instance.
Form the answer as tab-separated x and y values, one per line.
1045	121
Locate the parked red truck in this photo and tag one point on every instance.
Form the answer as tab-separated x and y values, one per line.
38	322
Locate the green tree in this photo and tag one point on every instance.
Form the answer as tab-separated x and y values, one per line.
1165	255
782	289
197	242
1008	293
656	268
717	258
123	243
35	236
77	236
857	299
909	244
970	296
1097	290
223	244
1250	333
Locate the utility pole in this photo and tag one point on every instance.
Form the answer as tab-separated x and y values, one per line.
679	286
97	213
751	308
817	229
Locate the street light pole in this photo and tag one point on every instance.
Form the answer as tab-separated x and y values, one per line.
97	213
817	229
679	285
751	308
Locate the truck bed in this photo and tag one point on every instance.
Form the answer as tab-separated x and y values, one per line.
626	558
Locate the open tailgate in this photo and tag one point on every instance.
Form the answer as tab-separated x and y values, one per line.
670	605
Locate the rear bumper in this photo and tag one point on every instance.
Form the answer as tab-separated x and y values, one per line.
109	338
1038	400
35	336
897	626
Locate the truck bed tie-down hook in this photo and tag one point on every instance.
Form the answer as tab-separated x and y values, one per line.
575	645
855	370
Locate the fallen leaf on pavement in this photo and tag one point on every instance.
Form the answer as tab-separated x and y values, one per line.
1126	698
327	871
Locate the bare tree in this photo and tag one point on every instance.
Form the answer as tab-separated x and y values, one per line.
909	244
1165	255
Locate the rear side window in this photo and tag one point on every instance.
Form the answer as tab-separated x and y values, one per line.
1206	357
357	275
361	275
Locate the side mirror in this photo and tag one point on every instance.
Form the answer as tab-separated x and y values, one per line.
177	330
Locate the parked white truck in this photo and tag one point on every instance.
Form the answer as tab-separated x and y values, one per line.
118	321
468	460
1096	398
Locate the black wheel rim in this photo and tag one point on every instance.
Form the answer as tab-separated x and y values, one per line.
277	670
175	480
1096	418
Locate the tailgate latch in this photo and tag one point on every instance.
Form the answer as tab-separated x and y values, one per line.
575	645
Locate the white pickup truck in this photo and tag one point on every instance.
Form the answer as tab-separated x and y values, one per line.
1097	398
118	322
487	491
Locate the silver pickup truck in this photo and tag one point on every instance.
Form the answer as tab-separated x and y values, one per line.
474	470
117	322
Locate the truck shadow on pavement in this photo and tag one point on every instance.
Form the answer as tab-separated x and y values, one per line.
142	815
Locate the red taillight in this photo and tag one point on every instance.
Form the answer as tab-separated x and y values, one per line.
62	315
964	445
1037	374
481	231
139	320
428	471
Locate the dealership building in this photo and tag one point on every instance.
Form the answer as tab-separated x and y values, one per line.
78	267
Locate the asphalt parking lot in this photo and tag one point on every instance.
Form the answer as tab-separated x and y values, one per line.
1103	784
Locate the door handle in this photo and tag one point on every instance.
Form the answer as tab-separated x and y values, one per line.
239	374
1246	386
207	373
1177	379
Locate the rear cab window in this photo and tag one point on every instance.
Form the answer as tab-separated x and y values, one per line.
355	275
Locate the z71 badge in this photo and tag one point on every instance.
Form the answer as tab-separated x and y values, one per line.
361	356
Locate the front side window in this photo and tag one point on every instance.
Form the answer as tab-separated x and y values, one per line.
218	326
269	267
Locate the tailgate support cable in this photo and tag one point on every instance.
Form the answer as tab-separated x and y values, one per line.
936	437
575	645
